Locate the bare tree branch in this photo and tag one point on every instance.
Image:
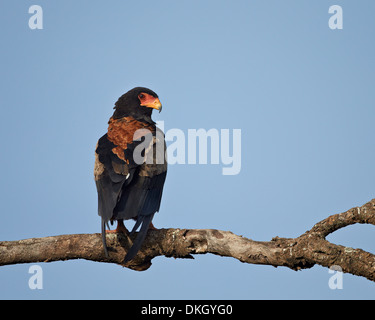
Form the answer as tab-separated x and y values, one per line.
298	253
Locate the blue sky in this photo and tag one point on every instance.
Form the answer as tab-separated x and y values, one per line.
301	93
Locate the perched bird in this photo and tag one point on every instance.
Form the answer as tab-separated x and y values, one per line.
130	166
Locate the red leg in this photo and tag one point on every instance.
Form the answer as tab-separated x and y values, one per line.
120	228
152	227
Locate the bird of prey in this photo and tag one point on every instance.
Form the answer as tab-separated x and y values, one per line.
130	166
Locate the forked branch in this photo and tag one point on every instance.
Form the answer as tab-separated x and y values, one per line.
296	253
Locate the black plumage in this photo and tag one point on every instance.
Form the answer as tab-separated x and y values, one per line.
130	165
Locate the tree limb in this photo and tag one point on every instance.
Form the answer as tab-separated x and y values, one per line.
298	253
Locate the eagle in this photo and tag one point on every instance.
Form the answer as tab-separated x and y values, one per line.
131	167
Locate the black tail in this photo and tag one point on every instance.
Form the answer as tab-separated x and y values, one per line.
145	221
104	239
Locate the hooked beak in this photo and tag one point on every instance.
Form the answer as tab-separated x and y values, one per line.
156	104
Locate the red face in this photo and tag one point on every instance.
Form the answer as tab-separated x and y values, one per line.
149	101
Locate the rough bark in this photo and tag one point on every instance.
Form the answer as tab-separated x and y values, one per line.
296	253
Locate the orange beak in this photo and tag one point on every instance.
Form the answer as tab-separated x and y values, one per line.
155	104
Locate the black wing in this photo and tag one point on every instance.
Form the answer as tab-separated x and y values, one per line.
111	175
145	191
130	190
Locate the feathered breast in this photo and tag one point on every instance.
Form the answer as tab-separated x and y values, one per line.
122	132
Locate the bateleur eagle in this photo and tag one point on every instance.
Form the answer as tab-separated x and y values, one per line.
130	166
